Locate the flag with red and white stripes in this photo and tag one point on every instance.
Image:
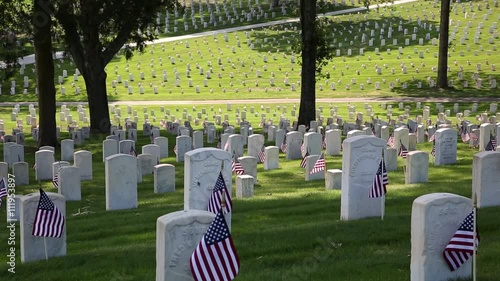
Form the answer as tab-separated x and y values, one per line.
461	246
236	167
492	144
403	152
3	189
304	160
262	154
303	149
49	221
283	145
433	137
390	141
215	257
319	165
215	202
380	181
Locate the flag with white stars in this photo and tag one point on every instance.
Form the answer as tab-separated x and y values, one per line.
215	257
49	221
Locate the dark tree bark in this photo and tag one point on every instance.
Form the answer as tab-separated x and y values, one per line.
90	58
442	78
309	51
42	24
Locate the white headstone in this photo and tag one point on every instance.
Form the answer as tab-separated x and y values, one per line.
109	147
360	161
272	158
33	247
485	167
121	182
69	183
67	150
162	142
446	147
20	170
183	145
164	178
435	218
44	160
201	170
83	160
177	235
417	167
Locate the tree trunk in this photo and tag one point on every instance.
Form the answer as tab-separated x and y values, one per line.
45	73
442	79
307	110
95	82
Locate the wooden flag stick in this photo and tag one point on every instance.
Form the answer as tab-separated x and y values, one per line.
223	200
474	236
45	246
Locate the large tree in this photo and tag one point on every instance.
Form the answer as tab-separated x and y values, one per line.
442	79
94	32
309	44
42	24
316	52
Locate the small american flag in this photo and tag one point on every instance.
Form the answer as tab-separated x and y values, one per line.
319	165
492	144
236	167
475	139
433	151
132	151
49	221
262	154
403	152
461	246
323	143
433	137
34	166
215	257
215	202
226	145
465	137
3	190
303	149
390	141
380	181
175	149
304	160
283	145
55	180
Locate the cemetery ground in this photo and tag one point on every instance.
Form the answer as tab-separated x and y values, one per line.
391	52
289	230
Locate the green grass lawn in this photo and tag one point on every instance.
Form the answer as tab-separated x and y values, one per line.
277	232
234	66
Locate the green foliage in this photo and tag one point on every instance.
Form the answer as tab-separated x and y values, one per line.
14	34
